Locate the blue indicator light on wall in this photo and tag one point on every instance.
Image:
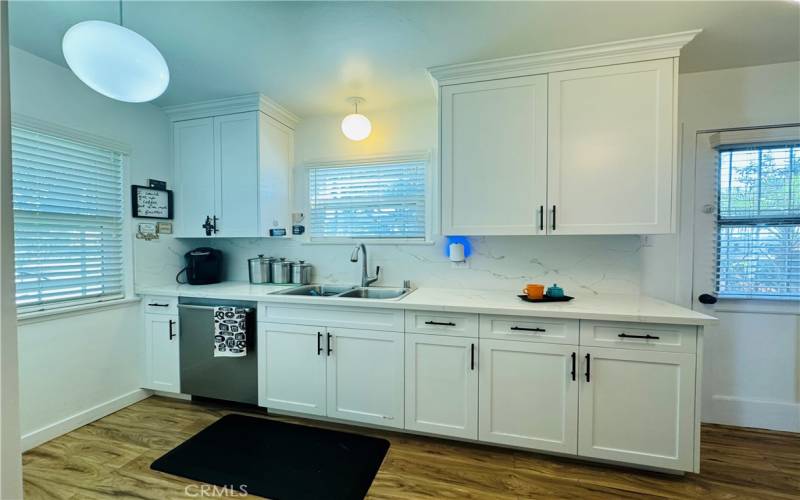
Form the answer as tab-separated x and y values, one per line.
458	239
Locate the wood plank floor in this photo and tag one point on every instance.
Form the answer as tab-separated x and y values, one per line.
111	458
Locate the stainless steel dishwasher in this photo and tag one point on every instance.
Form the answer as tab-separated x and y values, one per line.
202	374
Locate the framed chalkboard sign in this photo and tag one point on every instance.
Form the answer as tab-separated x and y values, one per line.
151	203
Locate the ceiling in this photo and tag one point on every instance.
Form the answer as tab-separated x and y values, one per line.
310	56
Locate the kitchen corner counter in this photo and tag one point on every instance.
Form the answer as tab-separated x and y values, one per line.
605	307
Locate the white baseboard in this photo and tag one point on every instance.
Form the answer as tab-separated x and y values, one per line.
743	412
48	432
174	395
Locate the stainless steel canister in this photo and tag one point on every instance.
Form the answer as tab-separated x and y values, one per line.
259	269
301	273
281	271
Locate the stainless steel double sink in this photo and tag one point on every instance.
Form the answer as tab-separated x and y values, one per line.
348	292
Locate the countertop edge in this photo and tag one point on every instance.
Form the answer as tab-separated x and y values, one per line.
405	303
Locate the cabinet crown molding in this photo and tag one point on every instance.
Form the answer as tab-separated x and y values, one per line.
587	56
230	105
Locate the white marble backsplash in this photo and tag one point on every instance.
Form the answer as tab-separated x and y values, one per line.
580	264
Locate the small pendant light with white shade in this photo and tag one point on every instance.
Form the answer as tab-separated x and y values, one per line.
355	126
115	61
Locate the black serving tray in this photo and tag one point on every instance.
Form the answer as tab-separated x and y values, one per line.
565	298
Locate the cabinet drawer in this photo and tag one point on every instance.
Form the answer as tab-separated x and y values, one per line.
556	331
391	320
154	304
454	324
645	336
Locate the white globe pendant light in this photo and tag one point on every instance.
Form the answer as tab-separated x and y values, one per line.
115	61
355	126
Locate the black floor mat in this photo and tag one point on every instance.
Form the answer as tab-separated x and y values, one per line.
278	460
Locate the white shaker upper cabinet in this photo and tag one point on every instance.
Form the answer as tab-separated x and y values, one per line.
232	159
195	175
236	157
494	156
611	164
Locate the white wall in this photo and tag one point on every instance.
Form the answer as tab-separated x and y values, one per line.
583	265
76	367
752	362
10	461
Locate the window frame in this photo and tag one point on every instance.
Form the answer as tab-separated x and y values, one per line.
357	161
45	311
747	142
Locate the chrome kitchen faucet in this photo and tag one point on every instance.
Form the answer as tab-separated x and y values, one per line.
366	279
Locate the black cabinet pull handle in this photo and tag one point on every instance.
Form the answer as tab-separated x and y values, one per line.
171	333
574	357
627	336
521	328
472	357
329	345
215	225
439	323
207	225
156	304
319	343
554	217
541	217
588	368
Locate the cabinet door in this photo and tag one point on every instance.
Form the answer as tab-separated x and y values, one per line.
637	406
193	157
162	352
236	161
611	168
442	385
494	156
276	157
365	376
294	371
528	397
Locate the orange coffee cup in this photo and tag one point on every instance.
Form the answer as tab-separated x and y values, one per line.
534	291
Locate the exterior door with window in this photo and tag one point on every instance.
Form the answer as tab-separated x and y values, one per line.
747	255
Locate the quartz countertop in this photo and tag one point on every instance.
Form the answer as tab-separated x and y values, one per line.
606	307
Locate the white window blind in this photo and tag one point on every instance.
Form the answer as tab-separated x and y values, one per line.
758	221
368	201
67	199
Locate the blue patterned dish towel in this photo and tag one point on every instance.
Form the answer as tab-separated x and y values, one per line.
230	331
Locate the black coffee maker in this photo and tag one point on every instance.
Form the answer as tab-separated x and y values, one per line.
203	267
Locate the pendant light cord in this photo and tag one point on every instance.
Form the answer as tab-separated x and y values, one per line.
120	12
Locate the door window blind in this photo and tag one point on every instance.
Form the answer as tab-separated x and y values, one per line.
67	199
368	201
758	221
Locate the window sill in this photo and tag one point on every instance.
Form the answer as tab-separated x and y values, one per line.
52	314
367	241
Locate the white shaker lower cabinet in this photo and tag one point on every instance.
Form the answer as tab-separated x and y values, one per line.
442	385
637	406
528	397
295	368
162	353
365	376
